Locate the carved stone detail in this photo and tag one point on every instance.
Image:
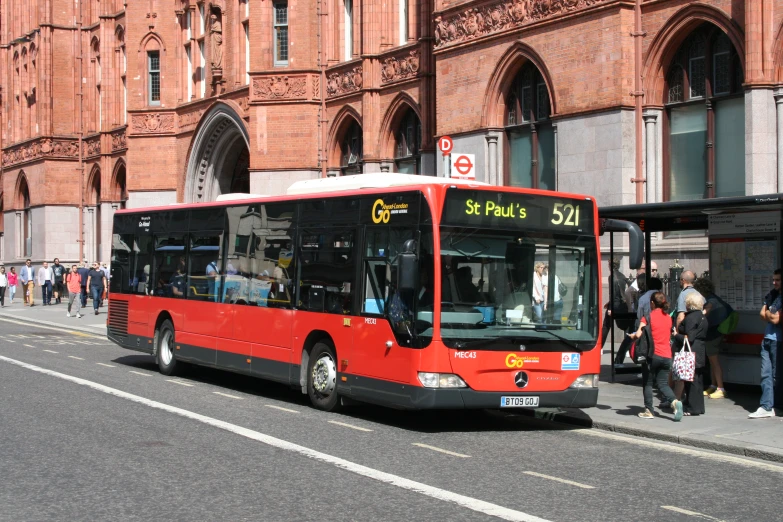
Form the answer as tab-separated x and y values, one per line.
189	119
119	140
499	16
152	123
44	147
280	87
316	87
91	147
344	82
400	67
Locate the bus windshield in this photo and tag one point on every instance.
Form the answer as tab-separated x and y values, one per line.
525	288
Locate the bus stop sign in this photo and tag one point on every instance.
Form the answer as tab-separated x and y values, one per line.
445	145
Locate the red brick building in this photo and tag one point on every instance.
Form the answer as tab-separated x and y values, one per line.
107	103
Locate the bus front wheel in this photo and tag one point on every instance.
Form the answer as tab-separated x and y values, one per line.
322	378
164	348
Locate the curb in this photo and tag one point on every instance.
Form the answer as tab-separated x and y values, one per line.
567	419
26	320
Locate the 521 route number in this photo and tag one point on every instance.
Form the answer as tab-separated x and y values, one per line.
565	214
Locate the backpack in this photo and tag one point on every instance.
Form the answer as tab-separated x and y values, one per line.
729	324
644	347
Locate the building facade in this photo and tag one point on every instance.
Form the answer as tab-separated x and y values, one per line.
111	103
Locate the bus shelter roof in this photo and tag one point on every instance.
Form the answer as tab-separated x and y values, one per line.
691	214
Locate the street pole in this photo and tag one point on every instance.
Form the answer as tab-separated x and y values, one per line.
80	240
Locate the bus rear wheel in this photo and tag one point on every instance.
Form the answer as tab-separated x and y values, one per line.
322	378
164	348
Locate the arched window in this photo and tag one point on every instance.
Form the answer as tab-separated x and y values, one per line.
123	79
351	151
95	49
26	225
407	156
704	151
122	186
529	132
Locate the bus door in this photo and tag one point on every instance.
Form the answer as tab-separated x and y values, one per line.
383	335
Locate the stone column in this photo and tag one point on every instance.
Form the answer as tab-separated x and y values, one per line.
554	131
760	164
650	172
19	235
779	108
492	160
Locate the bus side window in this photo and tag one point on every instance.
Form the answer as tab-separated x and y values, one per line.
169	274
327	270
204	267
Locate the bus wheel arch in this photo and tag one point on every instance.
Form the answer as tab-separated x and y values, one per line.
312	339
319	371
163	344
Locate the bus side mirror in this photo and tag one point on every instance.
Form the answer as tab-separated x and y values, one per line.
408	267
635	239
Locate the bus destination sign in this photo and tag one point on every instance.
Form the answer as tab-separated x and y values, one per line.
482	208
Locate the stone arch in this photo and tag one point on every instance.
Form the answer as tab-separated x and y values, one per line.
519	53
391	121
220	146
22	196
342	121
119	32
152	41
668	41
92	194
119	182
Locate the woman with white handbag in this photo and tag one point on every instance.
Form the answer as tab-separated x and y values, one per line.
689	361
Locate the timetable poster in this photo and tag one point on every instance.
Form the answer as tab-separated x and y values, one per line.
741	270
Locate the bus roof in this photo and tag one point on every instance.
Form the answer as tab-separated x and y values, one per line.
377	180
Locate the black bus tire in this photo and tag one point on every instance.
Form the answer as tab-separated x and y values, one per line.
322	378
164	349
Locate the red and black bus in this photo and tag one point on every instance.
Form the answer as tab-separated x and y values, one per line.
407	291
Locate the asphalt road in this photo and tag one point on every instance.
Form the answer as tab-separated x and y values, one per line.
90	431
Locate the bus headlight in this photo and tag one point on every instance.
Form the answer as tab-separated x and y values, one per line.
441	380
586	381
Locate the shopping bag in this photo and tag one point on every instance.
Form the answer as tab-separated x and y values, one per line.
684	364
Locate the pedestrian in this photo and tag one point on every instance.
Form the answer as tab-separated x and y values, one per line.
74	281
3	286
45	281
27	277
83	272
658	367
643	307
59	280
13	279
632	294
539	292
616	305
95	282
694	328
716	310
686	283
773	334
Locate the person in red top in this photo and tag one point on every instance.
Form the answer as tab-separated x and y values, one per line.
660	365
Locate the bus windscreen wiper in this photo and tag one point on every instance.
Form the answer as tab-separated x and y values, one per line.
571	344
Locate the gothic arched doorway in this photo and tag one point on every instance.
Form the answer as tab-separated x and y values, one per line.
219	157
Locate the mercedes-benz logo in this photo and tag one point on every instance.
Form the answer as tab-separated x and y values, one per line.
520	379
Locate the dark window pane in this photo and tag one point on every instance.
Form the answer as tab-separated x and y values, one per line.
327	270
688	152
204	267
546	157
675	84
521	155
169	272
730	147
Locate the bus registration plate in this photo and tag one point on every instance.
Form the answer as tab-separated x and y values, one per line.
519	402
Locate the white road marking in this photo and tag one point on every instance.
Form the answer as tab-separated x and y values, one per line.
175	381
447	452
96	326
50	351
227	395
74	357
9	341
29	345
106	365
139	373
57	327
564	481
349	426
691	513
471	503
280	408
684	450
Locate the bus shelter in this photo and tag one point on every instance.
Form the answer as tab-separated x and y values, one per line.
735	242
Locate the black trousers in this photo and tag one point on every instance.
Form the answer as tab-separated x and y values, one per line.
693	400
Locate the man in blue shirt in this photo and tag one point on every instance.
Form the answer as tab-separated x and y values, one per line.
771	380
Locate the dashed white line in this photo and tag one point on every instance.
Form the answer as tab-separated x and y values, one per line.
139	373
106	365
557	479
359	428
74	357
690	513
175	381
227	395
29	345
441	450
50	351
474	504
9	341
280	408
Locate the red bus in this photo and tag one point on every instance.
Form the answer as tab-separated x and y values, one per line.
406	291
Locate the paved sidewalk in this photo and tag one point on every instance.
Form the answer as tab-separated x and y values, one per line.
726	426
